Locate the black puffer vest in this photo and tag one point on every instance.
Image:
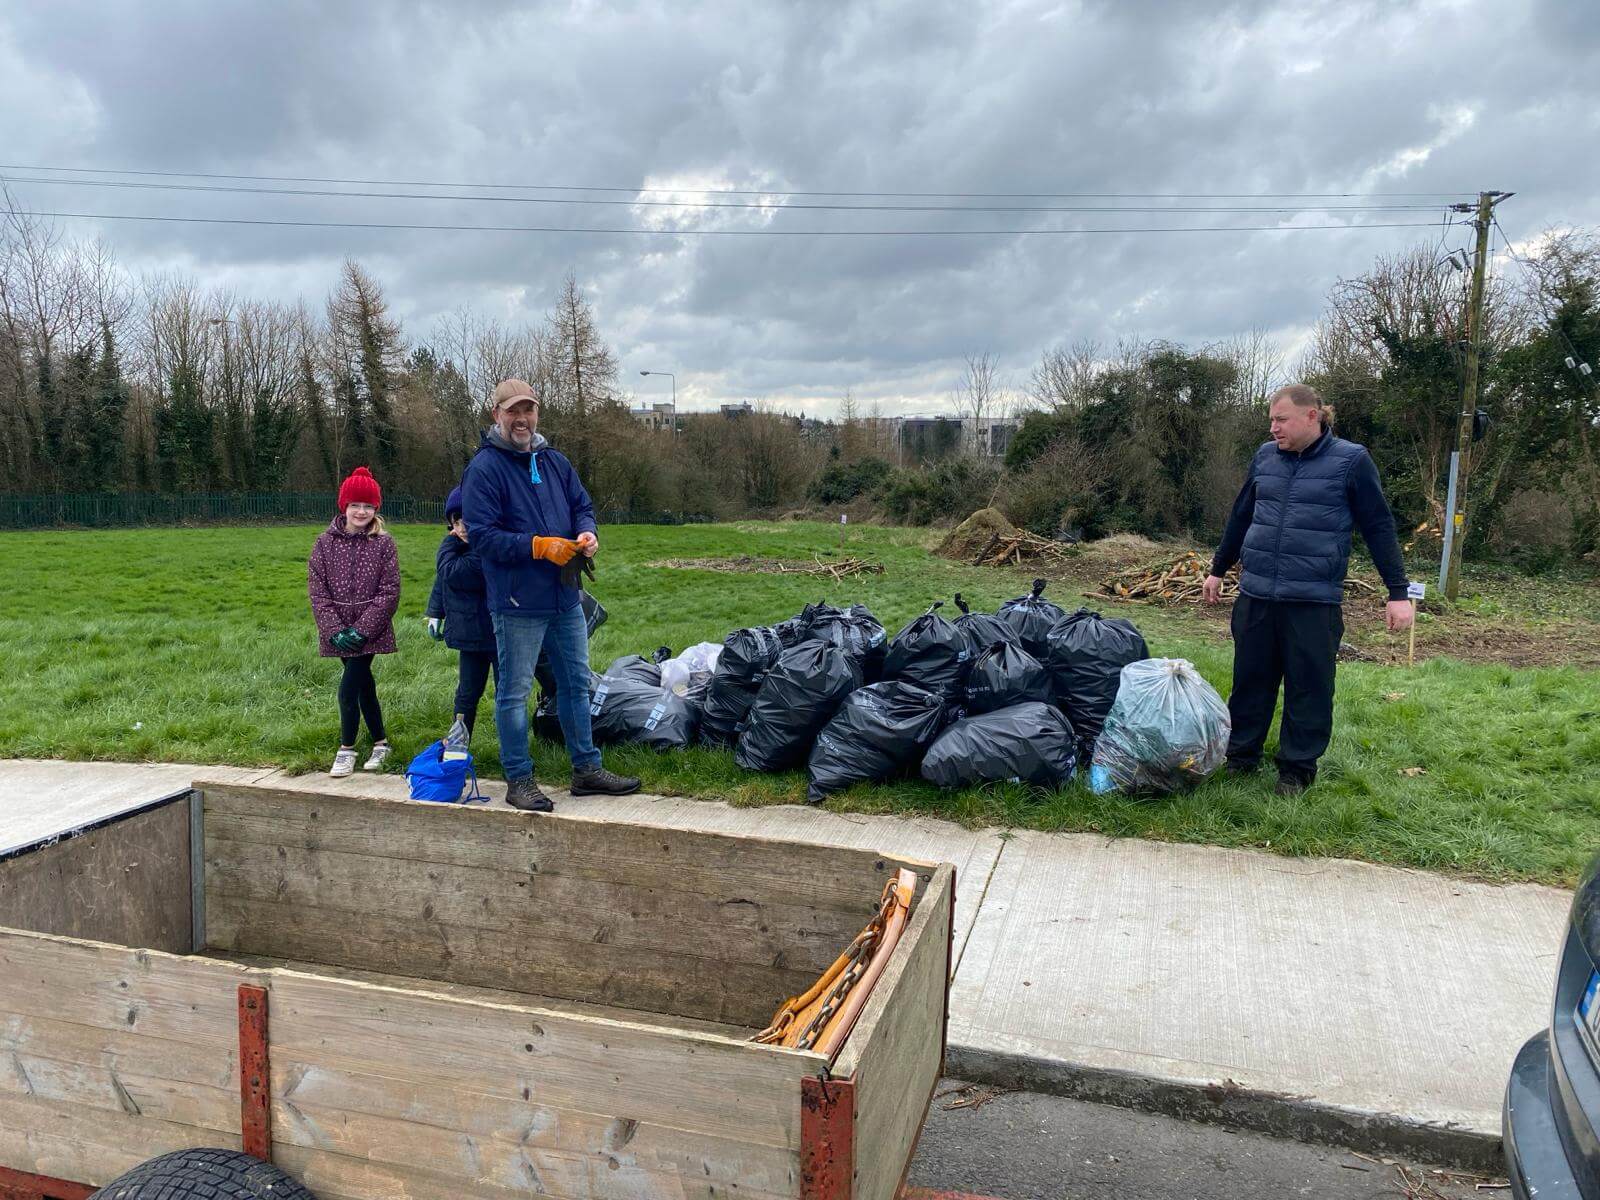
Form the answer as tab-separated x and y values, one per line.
1298	544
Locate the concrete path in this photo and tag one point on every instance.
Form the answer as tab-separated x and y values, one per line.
1321	998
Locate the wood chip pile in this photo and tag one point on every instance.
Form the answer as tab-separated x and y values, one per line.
1179	580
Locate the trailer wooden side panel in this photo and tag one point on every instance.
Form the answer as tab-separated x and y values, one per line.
674	921
111	1055
126	881
895	1053
440	1095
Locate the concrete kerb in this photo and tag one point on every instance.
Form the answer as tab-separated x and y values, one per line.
1299	1117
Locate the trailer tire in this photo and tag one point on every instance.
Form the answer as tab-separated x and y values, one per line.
204	1175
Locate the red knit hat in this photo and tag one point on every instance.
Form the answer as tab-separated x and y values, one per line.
360	488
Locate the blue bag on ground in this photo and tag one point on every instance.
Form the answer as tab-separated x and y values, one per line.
1167	730
434	777
1026	743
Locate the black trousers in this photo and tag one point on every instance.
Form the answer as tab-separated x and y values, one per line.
471	678
1295	644
358	698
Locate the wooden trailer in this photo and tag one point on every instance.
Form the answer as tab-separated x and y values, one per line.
397	999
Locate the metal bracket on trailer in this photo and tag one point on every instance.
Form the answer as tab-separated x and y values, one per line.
255	1087
19	1185
827	1138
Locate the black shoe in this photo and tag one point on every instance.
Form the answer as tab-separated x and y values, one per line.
1291	785
601	782
525	794
1239	769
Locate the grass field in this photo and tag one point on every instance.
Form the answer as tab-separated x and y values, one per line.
197	646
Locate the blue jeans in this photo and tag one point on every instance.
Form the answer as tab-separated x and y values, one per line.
519	638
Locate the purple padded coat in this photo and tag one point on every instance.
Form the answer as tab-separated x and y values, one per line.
354	580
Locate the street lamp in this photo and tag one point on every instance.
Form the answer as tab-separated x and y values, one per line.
674	379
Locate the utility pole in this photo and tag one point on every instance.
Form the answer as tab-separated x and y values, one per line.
1456	528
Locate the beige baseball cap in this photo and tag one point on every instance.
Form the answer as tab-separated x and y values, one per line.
508	391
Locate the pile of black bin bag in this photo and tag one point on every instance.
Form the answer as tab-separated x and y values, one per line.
1019	694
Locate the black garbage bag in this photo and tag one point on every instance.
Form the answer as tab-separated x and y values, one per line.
594	616
1025	743
855	631
931	653
624	708
878	731
1086	655
1004	675
723	709
982	629
639	668
748	654
796	627
797	698
1032	616
546	720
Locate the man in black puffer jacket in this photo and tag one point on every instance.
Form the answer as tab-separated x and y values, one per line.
1290	527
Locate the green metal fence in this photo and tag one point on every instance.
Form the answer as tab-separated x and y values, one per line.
113	510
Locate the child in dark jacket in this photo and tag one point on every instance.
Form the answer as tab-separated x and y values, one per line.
458	612
354	581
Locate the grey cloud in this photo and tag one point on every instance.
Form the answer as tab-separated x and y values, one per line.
947	95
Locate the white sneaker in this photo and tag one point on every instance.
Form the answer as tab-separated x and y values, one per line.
344	763
380	751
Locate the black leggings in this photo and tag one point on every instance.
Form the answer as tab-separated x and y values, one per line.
358	697
472	678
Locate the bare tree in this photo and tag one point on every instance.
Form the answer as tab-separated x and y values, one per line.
1259	361
980	396
1065	376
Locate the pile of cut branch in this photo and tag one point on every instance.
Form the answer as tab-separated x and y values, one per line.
1019	546
1179	581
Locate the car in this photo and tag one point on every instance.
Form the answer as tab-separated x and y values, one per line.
1551	1119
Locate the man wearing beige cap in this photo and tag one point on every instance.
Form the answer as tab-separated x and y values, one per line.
530	515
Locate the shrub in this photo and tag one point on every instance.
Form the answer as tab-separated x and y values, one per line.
951	490
840	482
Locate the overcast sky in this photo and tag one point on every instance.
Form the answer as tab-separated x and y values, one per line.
1125	96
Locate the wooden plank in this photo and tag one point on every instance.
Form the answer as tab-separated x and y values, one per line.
124	882
463	991
177	997
119	1049
647	856
737	993
566	1152
340	1177
895	1051
90	1145
691	1081
116	1089
567	908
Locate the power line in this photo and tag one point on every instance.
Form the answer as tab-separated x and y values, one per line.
736	204
570	187
444	228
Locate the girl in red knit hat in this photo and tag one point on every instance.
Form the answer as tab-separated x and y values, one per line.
354	578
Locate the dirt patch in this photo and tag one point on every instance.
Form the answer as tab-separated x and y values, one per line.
747	564
1457	635
1121	551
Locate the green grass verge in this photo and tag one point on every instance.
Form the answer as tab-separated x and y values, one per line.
197	646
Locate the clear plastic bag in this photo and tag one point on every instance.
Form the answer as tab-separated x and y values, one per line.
1167	729
677	674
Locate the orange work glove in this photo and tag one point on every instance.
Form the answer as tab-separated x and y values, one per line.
556	550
